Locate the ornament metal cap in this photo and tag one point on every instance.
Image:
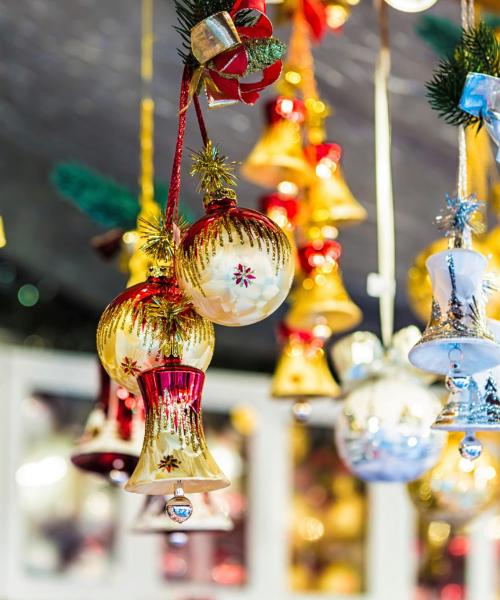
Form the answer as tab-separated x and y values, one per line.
174	446
457	317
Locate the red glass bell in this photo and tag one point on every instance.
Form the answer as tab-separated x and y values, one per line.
112	439
175	454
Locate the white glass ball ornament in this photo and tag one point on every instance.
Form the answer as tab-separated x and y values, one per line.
411	6
384	429
148	324
235	264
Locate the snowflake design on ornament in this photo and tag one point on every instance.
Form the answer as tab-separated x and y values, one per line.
243	276
130	367
169	463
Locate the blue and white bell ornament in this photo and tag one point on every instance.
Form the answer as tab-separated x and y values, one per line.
481	98
474	403
457	321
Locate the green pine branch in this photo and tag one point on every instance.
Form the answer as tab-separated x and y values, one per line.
102	199
478	52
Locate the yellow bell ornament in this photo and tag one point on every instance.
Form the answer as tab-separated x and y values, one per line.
321	298
279	156
302	371
329	202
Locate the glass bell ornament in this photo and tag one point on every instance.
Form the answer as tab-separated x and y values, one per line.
149	323
278	155
302	371
207	516
457	316
112	439
329	202
419	287
457	489
235	264
174	455
481	98
321	298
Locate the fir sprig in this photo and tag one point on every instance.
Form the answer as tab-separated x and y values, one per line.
477	52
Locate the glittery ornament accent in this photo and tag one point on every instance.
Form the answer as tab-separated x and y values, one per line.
169	463
159	242
216	173
243	276
459	219
130	367
263	53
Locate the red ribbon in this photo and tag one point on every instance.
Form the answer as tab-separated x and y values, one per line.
230	66
314	12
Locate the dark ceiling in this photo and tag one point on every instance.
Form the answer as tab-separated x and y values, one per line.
69	90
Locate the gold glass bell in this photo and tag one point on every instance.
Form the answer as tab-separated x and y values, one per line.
112	438
321	299
278	155
207	516
174	454
302	370
330	203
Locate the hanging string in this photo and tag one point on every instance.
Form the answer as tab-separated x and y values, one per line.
201	120
384	192
467	18
172	207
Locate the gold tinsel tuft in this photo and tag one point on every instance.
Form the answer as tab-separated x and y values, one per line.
216	173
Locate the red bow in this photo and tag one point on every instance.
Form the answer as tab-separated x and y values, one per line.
227	69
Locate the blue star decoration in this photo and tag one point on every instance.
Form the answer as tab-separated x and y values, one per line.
459	215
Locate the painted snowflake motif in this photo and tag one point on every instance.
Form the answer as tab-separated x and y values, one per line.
243	276
169	463
130	367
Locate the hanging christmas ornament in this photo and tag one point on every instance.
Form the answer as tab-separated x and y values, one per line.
111	442
175	456
329	201
321	298
302	371
457	489
383	431
411	6
235	264
224	47
148	324
458	308
207	516
321	16
278	156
